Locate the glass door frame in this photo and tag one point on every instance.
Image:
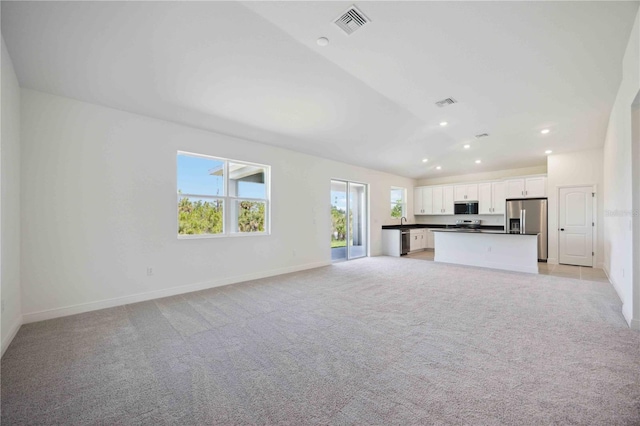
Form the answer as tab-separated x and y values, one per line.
365	218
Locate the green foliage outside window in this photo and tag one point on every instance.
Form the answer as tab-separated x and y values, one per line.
251	216
199	217
339	227
396	209
206	217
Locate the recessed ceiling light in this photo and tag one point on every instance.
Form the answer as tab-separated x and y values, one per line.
544	131
438	168
443	123
478	161
424	160
322	41
548	151
467	146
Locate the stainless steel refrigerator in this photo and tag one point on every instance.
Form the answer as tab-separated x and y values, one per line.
529	216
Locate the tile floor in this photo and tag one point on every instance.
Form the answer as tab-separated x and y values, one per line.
565	271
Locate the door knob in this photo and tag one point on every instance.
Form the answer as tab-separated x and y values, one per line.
562	229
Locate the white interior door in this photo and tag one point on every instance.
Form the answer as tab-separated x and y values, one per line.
575	226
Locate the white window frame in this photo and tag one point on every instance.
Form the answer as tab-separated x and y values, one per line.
227	200
404	201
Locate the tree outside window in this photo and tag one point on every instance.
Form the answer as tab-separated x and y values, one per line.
217	196
398	202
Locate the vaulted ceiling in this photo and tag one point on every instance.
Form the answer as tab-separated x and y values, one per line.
254	70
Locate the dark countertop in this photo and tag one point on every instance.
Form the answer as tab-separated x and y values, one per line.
439	226
483	231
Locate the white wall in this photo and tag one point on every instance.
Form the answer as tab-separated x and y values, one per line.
618	180
10	202
476	177
99	206
575	168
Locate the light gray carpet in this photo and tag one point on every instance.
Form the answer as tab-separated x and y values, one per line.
373	341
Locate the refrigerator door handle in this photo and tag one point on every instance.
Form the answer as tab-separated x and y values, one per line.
524	221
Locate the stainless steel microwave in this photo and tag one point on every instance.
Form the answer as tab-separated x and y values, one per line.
470	207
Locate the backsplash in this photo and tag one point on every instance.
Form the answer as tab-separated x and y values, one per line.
451	219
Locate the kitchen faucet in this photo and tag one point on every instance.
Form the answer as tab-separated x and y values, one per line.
401	220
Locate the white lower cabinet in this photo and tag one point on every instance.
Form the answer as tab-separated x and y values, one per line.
417	240
430	240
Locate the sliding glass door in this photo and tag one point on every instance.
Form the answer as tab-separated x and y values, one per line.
350	231
357	208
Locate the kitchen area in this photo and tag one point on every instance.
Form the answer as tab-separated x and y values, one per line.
500	224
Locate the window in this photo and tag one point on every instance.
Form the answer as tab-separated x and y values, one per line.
218	197
398	202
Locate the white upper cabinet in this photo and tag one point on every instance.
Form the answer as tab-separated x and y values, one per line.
417	201
442	200
447	200
485	203
466	192
535	187
515	188
531	187
491	198
423	200
427	199
498	197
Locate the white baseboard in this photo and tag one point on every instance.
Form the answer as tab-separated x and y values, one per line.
12	333
485	264
627	314
613	283
173	291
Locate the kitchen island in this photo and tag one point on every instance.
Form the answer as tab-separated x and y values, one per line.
487	248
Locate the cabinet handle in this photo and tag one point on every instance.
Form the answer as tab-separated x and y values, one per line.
526	192
522	192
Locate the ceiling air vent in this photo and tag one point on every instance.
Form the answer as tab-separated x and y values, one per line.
482	135
445	102
351	20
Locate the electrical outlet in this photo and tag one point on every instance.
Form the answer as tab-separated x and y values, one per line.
149	270
489	249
